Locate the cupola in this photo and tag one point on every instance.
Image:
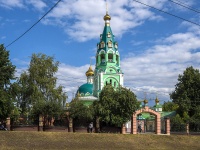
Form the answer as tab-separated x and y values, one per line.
157	106
90	72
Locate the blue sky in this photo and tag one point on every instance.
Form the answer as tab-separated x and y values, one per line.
154	47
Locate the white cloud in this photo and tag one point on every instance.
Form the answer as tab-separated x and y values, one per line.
38	4
71	77
83	20
159	66
11	3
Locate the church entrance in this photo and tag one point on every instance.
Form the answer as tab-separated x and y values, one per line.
141	125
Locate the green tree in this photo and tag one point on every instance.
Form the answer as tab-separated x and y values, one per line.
116	107
38	87
169	106
79	112
187	94
21	92
7	71
177	123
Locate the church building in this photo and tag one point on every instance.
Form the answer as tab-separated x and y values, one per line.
108	71
107	68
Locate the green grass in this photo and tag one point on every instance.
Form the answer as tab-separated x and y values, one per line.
22	140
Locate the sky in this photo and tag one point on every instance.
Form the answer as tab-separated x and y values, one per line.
154	47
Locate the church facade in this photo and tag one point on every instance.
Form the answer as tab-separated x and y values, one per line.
108	71
107	67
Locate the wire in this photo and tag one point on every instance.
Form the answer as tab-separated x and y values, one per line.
184	5
167	13
34	24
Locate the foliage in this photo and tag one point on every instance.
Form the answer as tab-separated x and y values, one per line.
7	71
21	92
116	106
177	123
78	110
169	106
15	114
187	93
37	88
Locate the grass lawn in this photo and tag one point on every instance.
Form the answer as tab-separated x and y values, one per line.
22	140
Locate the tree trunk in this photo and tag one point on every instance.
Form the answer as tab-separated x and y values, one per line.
97	128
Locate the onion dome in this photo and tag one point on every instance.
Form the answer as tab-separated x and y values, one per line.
85	89
90	72
156	100
107	17
145	101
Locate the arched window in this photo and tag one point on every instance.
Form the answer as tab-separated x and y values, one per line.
102	58
108	35
110	57
110	44
111	81
102	45
106	83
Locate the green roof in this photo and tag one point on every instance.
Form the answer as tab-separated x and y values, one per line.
85	89
87	102
170	114
157	106
163	115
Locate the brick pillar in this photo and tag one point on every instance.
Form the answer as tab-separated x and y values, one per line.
167	126
70	125
123	129
40	124
8	123
134	124
158	124
187	129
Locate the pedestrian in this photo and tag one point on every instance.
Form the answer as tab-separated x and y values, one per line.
91	127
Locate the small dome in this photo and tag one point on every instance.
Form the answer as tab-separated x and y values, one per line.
86	89
145	101
90	72
157	100
107	17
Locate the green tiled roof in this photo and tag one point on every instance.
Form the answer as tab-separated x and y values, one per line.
148	116
157	106
86	89
165	114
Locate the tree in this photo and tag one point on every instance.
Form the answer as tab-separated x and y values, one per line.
38	87
7	71
169	106
116	106
187	94
79	112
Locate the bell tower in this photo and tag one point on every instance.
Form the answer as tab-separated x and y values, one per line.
107	68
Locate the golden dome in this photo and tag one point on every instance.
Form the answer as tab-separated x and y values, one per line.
107	17
157	100
90	72
145	101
